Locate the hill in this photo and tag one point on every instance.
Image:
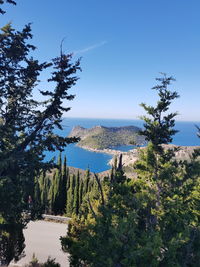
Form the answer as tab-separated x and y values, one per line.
101	137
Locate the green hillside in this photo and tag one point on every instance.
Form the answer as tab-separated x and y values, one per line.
100	137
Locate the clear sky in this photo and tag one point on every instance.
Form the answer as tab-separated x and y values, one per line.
124	45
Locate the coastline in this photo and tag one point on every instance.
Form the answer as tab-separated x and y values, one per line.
105	150
129	157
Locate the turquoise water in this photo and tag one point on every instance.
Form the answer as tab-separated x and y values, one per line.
97	162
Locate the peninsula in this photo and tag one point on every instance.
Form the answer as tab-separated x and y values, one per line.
104	138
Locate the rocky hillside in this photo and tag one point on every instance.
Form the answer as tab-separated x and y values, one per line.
100	137
129	158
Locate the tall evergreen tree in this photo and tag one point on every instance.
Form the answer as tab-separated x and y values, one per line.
57	187
159	127
26	129
76	195
70	196
65	173
87	179
43	196
152	220
37	193
51	194
81	192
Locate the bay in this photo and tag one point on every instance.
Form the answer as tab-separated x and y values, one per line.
98	162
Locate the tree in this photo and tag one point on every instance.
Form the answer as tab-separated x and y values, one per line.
27	125
81	192
159	127
87	179
152	220
65	177
76	205
57	188
70	195
7	1
44	184
100	237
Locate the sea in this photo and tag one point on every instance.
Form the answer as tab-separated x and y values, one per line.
98	162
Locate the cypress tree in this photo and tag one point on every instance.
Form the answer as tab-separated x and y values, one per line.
51	194
45	203
68	192
76	195
37	193
70	195
58	182
64	185
81	192
87	181
43	189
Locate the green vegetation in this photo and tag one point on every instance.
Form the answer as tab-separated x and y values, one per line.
6	1
101	137
26	129
61	192
152	220
49	263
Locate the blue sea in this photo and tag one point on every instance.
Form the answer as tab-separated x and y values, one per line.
98	162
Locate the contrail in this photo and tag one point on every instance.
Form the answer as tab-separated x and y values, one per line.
89	48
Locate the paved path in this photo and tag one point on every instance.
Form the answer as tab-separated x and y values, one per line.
42	238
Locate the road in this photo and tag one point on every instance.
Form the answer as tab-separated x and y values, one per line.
42	238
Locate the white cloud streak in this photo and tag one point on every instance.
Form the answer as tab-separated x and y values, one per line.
89	48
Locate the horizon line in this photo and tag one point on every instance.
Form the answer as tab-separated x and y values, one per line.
102	118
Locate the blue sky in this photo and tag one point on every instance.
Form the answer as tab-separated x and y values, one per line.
124	45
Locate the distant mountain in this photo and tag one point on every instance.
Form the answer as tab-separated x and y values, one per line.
100	137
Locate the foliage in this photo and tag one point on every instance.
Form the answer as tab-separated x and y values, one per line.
6	1
129	230
61	192
159	126
101	137
152	220
77	195
49	263
27	126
